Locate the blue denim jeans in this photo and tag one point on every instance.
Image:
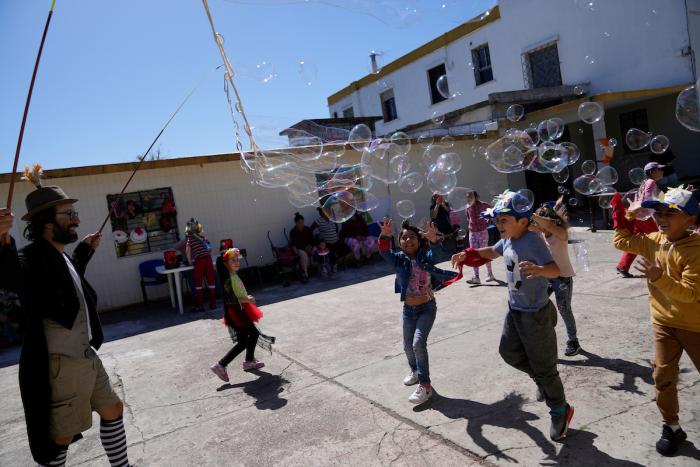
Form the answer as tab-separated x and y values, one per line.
563	289
417	323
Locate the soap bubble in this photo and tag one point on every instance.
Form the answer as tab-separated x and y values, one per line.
550	129
637	176
443	87
441	182
607	175
431	155
688	107
659	144
512	156
533	136
360	137
449	162
563	190
588	167
438	118
515	112
612	142
447	142
580	131
587	185
405	209
461	234
308	72
572	151
400	164
551	158
458	198
604	201
411	182
263	72
573	202
338	207
367	203
523	200
376	163
425	140
402	140
637	139
590	112
562	176
579	90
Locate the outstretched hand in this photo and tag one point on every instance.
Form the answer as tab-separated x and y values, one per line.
93	240
432	233
387	227
458	259
652	271
6	220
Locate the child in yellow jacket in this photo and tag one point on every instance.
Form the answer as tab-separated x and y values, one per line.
671	264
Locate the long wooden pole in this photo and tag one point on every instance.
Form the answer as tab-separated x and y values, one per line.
6	238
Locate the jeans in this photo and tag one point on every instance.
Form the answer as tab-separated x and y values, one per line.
417	322
563	289
529	344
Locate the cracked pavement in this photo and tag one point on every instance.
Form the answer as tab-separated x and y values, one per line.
331	392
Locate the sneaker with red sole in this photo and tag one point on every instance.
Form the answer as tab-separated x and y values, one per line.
560	422
252	365
220	371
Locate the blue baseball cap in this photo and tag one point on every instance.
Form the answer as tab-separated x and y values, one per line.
678	198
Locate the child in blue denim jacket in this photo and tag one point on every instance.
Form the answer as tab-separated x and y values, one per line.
416	280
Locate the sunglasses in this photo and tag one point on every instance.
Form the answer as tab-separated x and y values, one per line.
72	214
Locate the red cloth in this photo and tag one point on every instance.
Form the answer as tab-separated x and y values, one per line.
618	214
253	312
473	259
384	244
640	227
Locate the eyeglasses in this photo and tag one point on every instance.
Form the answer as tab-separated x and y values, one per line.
72	214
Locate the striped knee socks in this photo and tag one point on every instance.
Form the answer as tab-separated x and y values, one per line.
59	460
113	439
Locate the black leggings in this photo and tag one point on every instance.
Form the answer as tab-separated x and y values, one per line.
245	338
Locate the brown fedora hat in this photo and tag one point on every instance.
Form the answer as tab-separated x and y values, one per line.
44	198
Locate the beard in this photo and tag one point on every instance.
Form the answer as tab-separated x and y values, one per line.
64	235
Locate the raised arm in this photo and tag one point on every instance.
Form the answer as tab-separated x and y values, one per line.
548	226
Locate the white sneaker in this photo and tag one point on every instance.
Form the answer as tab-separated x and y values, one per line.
420	395
410	379
491	279
474	280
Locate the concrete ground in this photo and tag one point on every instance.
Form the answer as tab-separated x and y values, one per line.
331	393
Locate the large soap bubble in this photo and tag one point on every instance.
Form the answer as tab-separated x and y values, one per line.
458	198
607	175
450	162
587	185
688	107
637	139
659	144
405	209
438	117
515	112
402	140
441	182
552	157
442	86
590	112
550	129
360	137
637	176
400	165
375	162
411	182
338	207
588	167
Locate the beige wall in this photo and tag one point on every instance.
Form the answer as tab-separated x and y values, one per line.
221	196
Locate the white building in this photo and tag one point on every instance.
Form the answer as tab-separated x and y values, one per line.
631	56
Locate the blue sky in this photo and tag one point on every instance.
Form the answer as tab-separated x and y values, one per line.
113	72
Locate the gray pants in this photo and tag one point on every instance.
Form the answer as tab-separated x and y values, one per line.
529	344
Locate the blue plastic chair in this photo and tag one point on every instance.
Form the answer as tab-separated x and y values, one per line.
149	276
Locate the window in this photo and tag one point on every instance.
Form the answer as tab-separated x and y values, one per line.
143	221
335	114
481	59
388	105
348	113
542	67
433	75
634	119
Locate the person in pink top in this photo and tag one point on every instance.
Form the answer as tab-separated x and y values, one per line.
647	190
478	232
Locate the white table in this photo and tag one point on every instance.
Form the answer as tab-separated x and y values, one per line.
174	275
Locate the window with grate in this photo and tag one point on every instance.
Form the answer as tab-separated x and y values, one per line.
388	105
542	67
348	113
143	221
634	119
481	59
433	75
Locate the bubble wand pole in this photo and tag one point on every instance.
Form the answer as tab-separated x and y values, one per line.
11	189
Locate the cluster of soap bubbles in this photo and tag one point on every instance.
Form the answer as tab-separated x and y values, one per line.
688	107
637	140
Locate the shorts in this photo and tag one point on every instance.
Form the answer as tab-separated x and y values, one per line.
78	386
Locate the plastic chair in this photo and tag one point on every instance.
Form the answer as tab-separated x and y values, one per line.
149	276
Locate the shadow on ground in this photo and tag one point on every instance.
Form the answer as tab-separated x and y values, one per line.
266	390
577	448
630	371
